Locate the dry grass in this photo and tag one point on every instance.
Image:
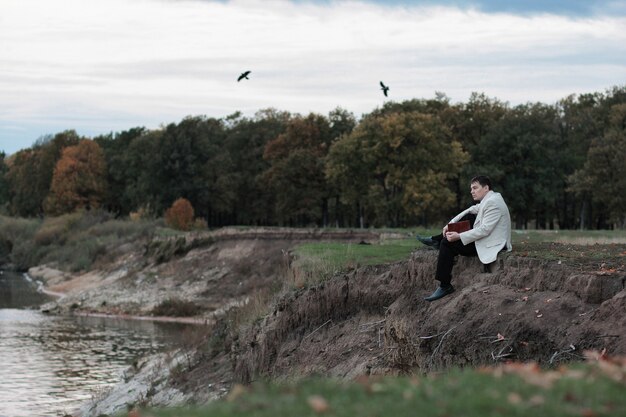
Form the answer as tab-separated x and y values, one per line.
588	241
252	309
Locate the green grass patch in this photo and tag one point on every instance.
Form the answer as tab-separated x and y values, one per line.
322	260
589	249
515	390
576	237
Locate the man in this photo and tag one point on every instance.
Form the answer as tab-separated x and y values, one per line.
490	233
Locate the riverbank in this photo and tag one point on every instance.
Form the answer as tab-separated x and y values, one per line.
198	276
546	303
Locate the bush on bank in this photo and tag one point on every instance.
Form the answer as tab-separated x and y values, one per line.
72	241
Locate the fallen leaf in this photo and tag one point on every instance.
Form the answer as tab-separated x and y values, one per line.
570	398
318	404
523	343
539	316
500	337
514	398
525	298
237	391
548	300
536	311
603	354
377	387
588	412
575	374
536	400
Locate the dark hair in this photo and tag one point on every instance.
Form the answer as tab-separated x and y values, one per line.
482	180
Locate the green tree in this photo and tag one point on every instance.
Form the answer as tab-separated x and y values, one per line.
4	184
521	153
246	140
193	162
470	122
584	119
342	123
604	174
121	171
395	167
296	172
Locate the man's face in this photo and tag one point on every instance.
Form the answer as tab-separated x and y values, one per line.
478	191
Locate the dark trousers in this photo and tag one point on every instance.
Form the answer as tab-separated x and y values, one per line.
448	251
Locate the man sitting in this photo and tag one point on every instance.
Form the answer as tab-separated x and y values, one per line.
490	233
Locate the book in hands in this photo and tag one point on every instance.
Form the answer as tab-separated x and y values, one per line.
459	227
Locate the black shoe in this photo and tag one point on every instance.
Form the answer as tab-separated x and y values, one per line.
429	241
440	293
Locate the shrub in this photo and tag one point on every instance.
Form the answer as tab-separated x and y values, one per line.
200	224
25	254
175	307
180	216
141	213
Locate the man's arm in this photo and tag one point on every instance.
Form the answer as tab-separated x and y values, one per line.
491	216
471	210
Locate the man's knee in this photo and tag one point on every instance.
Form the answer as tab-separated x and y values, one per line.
444	244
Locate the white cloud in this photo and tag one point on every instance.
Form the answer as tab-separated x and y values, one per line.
146	62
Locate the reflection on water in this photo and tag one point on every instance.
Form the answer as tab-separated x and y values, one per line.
49	365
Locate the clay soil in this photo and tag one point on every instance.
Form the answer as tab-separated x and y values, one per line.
374	320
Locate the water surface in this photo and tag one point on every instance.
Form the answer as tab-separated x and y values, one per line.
50	365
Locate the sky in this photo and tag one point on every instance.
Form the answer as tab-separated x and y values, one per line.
100	66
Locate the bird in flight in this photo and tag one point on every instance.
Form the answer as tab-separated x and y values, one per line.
243	75
384	88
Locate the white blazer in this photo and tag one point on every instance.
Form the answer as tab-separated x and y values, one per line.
492	227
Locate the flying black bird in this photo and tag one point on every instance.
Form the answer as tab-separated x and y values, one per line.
384	88
243	75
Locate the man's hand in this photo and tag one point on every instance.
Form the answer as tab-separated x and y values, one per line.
445	230
452	236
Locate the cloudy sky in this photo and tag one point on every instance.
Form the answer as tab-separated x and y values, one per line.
98	66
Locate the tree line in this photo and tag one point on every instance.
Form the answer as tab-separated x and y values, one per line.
404	164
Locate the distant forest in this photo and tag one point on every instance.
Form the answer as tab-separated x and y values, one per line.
404	164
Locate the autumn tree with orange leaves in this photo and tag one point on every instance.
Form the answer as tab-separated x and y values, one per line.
180	215
79	179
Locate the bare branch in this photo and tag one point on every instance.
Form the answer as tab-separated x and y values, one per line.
330	320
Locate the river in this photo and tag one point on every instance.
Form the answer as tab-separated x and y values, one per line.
50	365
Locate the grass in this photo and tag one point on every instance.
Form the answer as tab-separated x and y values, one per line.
591	389
576	237
586	249
338	253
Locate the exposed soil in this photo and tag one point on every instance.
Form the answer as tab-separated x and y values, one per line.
374	320
371	320
215	271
